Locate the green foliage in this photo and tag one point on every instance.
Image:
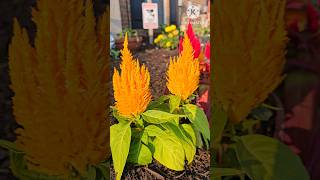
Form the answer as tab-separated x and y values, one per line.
115	54
199	120
20	170
265	158
120	139
129	31
243	153
168	131
18	164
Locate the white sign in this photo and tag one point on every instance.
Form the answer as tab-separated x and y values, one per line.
150	15
193	11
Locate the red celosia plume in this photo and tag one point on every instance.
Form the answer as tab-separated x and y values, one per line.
194	41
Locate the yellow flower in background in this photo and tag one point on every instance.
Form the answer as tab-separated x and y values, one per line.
160	36
131	85
170	28
173	27
170	35
249	57
175	32
183	73
167	29
168	44
156	40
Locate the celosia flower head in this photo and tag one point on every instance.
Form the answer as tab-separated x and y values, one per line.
61	88
183	72
194	41
131	85
248	53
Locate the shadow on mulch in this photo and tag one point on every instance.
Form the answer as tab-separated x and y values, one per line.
198	170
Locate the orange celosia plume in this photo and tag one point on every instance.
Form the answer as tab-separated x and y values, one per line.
61	88
131	85
183	72
249	52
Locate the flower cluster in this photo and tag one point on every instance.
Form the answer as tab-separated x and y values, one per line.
243	77
170	28
183	73
131	86
168	38
60	91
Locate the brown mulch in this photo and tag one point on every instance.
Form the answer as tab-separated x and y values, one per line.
199	169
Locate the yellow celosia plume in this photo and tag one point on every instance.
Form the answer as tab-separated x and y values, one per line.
131	85
183	72
61	88
249	53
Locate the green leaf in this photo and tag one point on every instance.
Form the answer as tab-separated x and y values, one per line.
163	107
264	158
249	125
189	132
116	115
139	153
174	102
169	151
158	117
198	119
153	130
104	168
91	174
120	136
9	145
19	168
199	142
219	121
139	122
188	146
261	113
158	102
220	172
145	137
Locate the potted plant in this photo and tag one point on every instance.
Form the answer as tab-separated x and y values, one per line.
134	40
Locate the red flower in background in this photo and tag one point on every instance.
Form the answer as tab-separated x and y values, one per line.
207	55
313	17
302	15
194	41
207	50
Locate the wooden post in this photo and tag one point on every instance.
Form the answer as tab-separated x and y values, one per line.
150	31
166	10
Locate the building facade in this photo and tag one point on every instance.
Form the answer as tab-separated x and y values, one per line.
128	13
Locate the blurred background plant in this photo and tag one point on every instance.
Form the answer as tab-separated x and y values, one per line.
114	53
129	31
249	58
169	37
298	125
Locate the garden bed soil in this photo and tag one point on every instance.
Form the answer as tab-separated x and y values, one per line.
199	169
